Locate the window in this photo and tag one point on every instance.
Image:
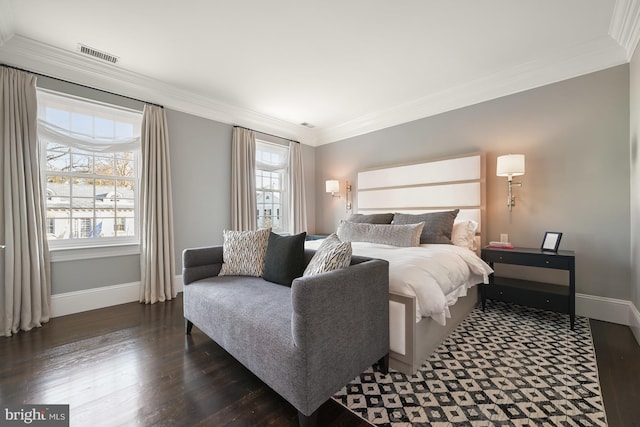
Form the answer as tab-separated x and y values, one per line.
271	186
90	157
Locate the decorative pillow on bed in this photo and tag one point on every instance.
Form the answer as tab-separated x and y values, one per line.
284	259
464	233
332	254
437	225
243	252
382	218
387	234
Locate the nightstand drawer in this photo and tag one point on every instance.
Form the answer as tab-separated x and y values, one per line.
532	260
528	297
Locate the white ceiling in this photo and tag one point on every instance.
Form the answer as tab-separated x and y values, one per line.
347	67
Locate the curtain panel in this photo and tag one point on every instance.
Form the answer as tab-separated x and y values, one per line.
296	184
25	289
243	180
157	256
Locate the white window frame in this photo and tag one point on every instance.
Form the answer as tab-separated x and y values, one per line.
76	248
283	172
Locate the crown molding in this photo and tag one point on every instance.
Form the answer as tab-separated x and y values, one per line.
625	25
6	21
560	65
59	63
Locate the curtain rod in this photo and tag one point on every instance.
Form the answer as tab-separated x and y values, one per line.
265	133
81	85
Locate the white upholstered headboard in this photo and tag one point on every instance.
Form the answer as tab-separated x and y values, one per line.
438	185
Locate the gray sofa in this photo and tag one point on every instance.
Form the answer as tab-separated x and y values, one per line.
305	341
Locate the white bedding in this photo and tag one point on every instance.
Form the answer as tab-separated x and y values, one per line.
437	275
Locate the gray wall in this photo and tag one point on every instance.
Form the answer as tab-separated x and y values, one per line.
634	90
575	135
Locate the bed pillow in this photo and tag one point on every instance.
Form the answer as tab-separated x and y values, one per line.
333	254
387	234
437	225
284	259
382	218
243	252
463	234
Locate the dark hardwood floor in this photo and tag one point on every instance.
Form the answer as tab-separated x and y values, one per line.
132	364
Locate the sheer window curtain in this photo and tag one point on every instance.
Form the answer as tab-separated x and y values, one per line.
243	180
157	256
25	290
296	184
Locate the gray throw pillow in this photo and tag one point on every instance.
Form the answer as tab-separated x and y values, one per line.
382	218
243	252
284	260
387	234
437	225
332	254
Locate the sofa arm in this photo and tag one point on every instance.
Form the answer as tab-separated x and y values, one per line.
200	263
339	314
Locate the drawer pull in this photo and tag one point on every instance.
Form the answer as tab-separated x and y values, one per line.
548	301
546	262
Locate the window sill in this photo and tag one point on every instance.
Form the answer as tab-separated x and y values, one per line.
91	252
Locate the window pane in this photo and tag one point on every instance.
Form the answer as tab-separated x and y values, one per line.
104	165
58	224
82	123
81	163
124	167
58	161
104	127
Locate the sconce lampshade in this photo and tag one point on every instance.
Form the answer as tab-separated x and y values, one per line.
332	186
510	165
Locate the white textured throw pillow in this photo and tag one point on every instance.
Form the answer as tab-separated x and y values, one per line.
243	252
386	234
332	254
464	233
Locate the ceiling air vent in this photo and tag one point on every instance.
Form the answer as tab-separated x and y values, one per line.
98	54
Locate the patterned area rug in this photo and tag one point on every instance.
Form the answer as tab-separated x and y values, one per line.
508	366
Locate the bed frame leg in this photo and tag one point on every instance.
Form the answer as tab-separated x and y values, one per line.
189	326
383	364
483	296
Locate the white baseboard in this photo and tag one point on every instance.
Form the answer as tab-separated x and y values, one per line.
92	299
602	308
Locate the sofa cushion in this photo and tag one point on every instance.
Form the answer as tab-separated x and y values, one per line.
386	234
243	252
437	225
284	259
332	254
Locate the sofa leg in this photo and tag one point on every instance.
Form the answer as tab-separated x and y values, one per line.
383	364
189	326
308	420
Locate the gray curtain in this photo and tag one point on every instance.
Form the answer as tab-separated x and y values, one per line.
25	295
243	180
296	184
157	247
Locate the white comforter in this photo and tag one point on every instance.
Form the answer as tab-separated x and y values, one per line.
437	275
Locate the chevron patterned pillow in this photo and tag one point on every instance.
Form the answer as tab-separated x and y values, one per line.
243	252
332	254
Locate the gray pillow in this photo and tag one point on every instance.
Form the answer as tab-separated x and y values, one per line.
332	254
383	218
243	252
437	225
387	234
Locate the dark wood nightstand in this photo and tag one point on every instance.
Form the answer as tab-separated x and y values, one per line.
546	296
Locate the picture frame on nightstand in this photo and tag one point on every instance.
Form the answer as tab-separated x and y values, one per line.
551	241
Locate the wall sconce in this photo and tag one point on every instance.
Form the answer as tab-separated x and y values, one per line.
333	186
511	165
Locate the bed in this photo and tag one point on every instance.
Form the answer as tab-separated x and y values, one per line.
419	321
